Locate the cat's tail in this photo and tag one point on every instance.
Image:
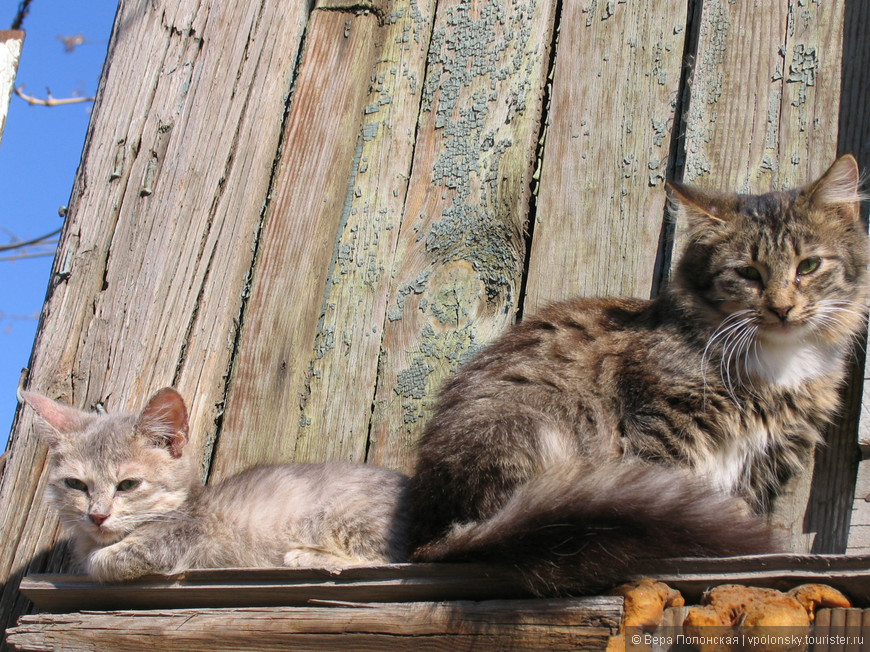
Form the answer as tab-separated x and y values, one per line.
572	530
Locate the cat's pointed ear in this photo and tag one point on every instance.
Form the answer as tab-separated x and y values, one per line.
55	421
164	420
700	210
838	189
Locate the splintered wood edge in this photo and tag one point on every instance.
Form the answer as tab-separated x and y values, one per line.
418	582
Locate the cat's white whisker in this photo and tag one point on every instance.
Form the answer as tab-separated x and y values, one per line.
732	338
747	344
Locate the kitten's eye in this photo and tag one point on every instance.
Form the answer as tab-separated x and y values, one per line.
749	272
128	485
74	483
808	265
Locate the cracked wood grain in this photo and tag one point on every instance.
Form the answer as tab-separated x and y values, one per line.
137	299
601	202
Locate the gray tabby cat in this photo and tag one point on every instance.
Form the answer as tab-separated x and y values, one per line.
133	504
604	431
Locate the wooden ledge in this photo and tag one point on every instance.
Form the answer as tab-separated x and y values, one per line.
418	583
268	587
401	606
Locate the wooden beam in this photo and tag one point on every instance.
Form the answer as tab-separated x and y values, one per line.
295	251
330	345
420	583
262	587
854	138
570	624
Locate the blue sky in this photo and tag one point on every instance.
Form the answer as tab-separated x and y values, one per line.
39	155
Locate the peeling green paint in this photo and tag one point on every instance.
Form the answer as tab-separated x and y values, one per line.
706	87
771	137
445	349
802	73
482	67
467	51
411	382
469	233
589	10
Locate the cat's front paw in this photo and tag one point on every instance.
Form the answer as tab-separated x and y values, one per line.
116	563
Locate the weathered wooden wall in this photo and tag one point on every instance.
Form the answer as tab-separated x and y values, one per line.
306	217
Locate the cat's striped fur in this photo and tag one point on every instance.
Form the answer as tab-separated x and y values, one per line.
602	431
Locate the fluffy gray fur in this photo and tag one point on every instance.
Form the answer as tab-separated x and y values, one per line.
132	502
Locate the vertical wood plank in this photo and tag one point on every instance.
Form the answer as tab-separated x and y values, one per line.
601	204
341	367
854	137
768	121
460	249
148	281
286	301
859	523
733	115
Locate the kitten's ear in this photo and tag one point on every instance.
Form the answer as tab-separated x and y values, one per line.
54	421
838	188
164	420
699	209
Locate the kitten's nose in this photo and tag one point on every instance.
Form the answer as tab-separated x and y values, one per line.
782	312
98	519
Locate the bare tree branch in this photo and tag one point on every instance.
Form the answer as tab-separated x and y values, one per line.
20	245
10	259
49	100
35	315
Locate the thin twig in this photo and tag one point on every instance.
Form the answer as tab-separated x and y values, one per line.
3	315
49	100
12	259
19	245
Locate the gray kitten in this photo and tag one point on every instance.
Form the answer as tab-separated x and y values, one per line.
133	504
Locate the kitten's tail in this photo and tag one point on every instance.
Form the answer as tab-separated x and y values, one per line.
573	530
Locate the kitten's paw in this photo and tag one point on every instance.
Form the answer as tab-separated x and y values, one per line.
115	563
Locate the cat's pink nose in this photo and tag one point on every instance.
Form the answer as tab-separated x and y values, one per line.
782	313
98	519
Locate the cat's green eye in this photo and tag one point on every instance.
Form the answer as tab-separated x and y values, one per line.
808	265
74	483
749	272
128	485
